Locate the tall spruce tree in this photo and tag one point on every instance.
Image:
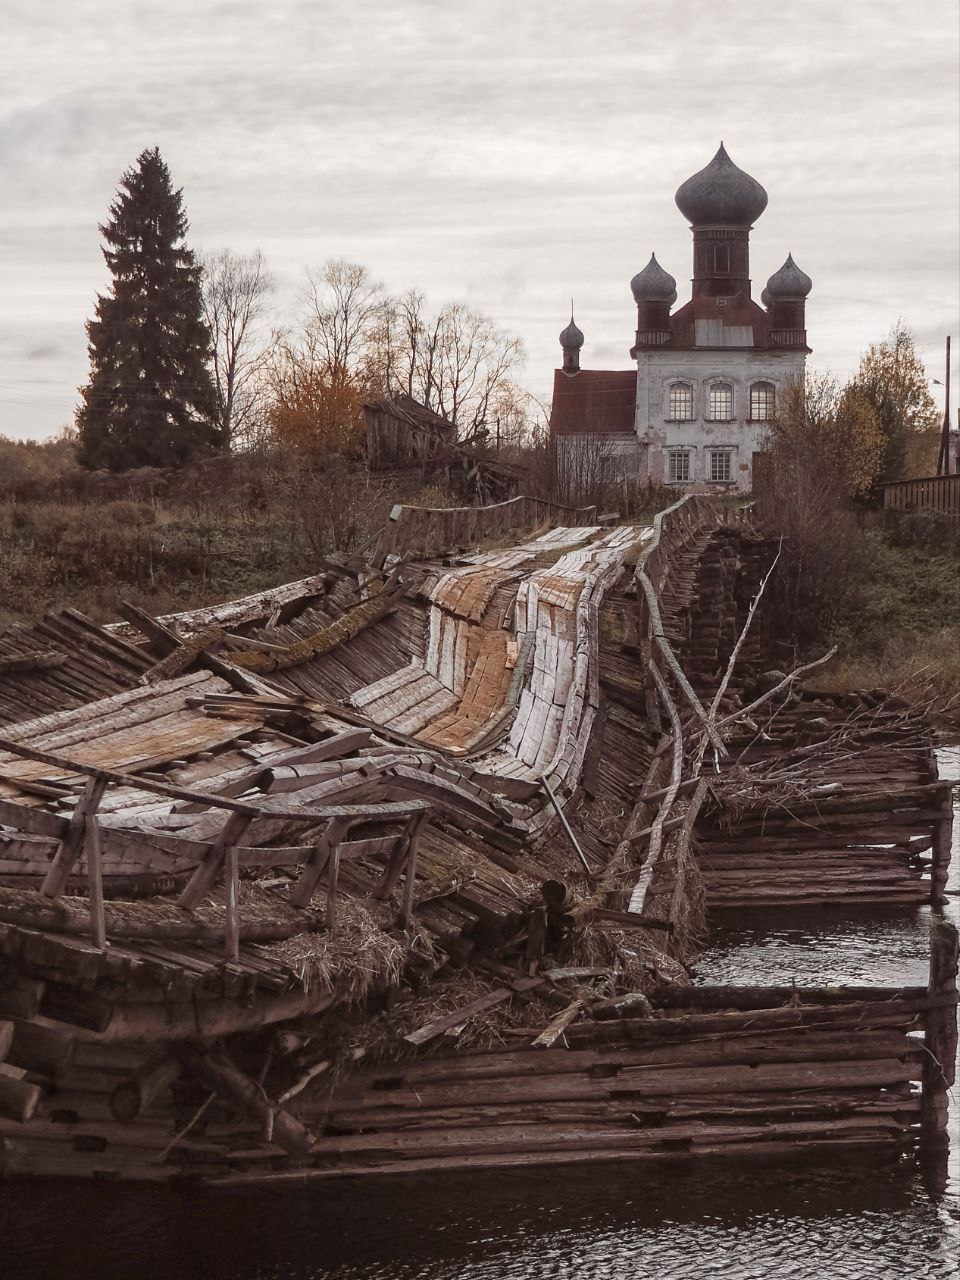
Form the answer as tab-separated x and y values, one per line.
150	400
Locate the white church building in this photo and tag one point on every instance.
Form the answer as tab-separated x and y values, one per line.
707	374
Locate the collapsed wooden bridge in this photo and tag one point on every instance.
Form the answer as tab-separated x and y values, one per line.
401	866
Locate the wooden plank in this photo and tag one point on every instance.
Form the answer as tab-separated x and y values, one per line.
428	1032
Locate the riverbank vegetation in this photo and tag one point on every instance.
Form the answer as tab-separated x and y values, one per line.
883	588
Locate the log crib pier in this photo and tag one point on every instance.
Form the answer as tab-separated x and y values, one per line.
402	867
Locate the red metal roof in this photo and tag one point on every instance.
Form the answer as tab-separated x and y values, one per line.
594	401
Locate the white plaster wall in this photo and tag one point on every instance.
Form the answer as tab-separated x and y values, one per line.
657	369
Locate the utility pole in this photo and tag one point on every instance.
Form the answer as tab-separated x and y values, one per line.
943	458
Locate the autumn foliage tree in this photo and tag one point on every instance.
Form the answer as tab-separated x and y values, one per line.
892	378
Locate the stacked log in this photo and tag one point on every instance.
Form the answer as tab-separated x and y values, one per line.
863	811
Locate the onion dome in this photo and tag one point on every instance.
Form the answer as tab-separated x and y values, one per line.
721	195
571	339
766	299
653	284
789	282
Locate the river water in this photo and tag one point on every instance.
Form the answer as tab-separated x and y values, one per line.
867	1218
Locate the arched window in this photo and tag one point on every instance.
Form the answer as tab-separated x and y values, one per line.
763	399
680	408
720	402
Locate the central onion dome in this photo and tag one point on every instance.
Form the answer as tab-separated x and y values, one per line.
653	284
789	283
571	339
721	195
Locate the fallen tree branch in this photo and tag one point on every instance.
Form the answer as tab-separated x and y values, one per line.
787	680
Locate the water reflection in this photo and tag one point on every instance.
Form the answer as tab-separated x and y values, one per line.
852	1220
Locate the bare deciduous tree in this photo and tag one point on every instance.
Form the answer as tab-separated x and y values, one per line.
823	451
344	307
236	292
455	361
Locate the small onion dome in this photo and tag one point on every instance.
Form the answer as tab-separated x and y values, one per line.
789	281
653	284
571	339
721	194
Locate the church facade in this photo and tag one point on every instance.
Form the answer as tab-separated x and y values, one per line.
708	375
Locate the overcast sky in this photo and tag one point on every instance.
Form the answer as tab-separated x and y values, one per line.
509	153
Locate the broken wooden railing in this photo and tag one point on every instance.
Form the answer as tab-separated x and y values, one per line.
225	855
424	531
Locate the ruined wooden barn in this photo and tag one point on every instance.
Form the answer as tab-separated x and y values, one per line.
403	435
402	868
402	432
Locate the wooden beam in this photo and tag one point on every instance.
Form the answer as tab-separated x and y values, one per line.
214	1069
394	809
73	840
303	890
205	876
91	849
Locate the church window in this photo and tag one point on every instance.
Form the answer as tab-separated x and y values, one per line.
762	401
721	402
720	465
721	258
678	466
681	402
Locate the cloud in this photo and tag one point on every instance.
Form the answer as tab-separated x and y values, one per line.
506	154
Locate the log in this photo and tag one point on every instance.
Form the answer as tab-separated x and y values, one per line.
218	1073
732	997
18	1097
905	1014
130	1098
645	1082
57	920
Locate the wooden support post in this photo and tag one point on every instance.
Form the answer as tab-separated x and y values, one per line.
406	914
232	902
942	842
303	890
73	840
205	876
940	1039
333	876
91	849
558	809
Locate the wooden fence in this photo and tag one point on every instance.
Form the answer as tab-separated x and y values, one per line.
932	493
425	531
